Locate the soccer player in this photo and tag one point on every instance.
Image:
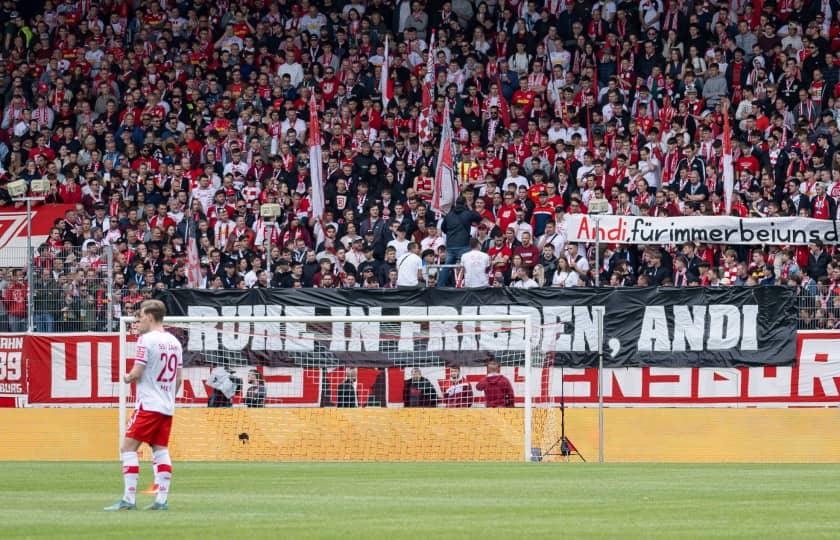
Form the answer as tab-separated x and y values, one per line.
157	372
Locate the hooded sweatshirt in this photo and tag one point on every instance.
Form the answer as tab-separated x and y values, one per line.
497	389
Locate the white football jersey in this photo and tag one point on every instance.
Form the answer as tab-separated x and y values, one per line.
161	353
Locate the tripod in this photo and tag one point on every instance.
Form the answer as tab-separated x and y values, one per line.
567	447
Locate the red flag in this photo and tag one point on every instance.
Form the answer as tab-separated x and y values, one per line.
316	160
446	183
504	112
424	120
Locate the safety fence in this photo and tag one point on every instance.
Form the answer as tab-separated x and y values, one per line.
87	289
62	289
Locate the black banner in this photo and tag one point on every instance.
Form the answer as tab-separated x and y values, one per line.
666	327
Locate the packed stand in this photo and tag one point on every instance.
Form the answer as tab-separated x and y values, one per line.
170	126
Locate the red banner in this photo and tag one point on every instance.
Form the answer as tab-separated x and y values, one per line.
13	228
82	370
12	370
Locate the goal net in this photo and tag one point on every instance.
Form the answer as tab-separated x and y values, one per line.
354	388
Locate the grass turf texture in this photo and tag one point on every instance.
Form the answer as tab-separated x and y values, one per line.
424	501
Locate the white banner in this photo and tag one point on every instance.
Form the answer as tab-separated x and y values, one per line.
713	230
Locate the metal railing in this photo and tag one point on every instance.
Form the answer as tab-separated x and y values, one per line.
75	290
820	311
72	290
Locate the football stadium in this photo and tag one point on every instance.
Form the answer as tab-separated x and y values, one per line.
390	269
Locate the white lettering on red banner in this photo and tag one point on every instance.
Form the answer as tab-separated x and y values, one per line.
12	371
82	370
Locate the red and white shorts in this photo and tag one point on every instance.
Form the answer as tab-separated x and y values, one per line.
149	427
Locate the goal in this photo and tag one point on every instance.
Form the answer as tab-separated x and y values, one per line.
362	388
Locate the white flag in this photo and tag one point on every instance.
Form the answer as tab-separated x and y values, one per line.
316	161
446	181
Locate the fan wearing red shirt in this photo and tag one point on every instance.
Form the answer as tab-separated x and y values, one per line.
528	251
70	192
241	29
145	159
555	198
42	150
329	85
161	219
524	97
155	17
507	214
747	162
481	209
537	188
644	121
500	253
218	205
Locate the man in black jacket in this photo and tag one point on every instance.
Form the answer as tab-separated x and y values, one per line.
418	391
457	224
48	298
346	396
818	259
655	270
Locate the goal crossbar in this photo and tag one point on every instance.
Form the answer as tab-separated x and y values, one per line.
527	328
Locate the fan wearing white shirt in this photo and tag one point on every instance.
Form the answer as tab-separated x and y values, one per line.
400	243
564	276
577	262
586	168
556	132
514	178
434	240
524	280
649	167
551	236
476	265
410	267
313	21
293	122
291	68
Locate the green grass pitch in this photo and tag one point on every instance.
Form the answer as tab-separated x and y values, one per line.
428	501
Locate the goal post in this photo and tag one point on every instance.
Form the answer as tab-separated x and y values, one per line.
315	344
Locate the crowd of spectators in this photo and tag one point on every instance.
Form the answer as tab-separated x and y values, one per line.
170	123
